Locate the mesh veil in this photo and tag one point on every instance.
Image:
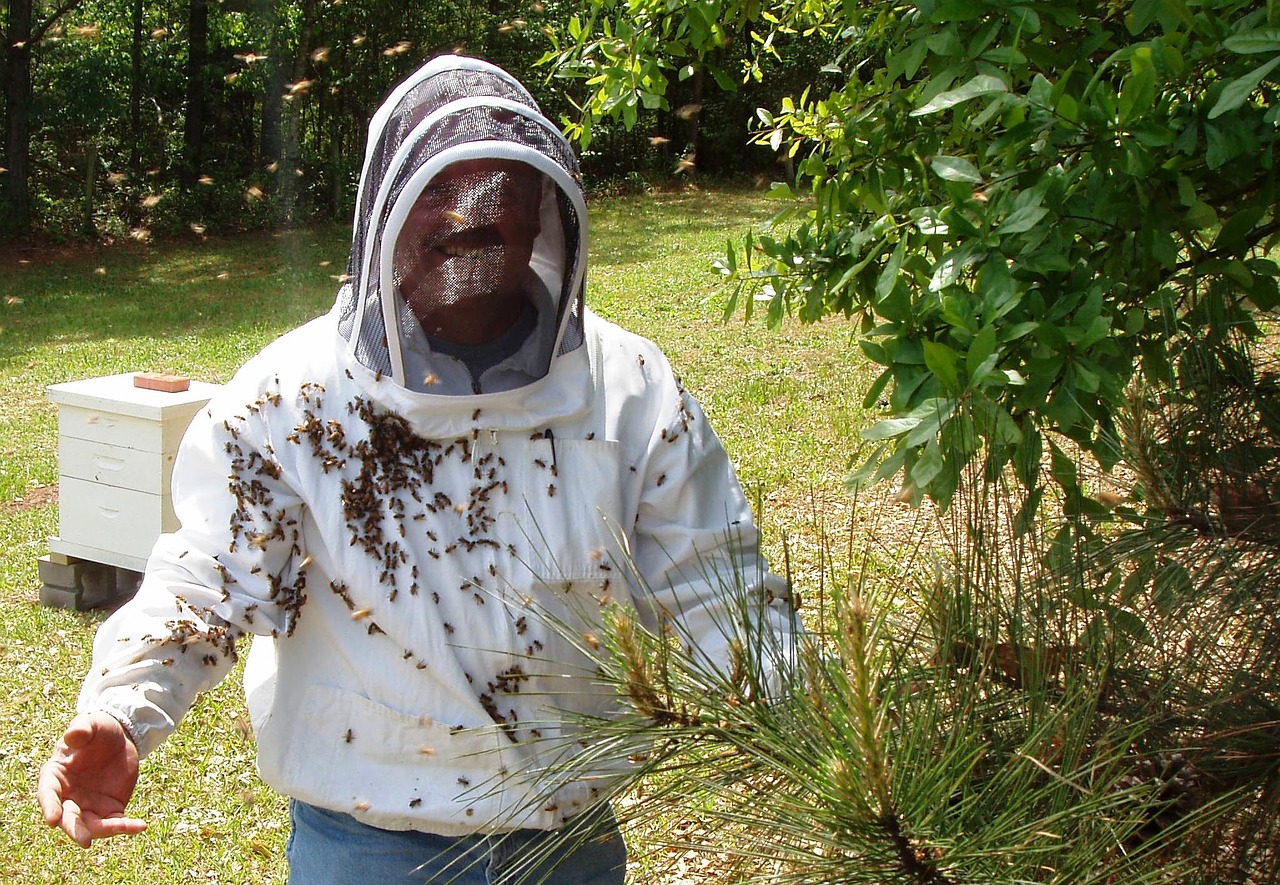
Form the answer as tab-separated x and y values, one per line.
448	109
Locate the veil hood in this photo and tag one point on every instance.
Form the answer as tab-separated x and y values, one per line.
452	110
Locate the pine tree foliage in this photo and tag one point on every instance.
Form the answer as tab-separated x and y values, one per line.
1014	714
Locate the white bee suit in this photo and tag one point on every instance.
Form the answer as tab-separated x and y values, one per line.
399	544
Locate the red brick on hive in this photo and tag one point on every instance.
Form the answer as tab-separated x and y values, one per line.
160	381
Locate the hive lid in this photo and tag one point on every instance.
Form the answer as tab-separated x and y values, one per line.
118	394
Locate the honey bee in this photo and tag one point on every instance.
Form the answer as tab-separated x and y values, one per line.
348	736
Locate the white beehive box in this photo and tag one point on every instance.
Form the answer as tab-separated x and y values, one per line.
116	446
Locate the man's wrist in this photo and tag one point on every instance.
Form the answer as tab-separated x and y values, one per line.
125	724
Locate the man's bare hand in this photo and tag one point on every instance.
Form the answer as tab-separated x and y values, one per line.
89	779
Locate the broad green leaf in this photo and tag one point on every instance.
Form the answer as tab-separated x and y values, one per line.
944	43
1200	216
906	62
1237	92
982	347
927	466
1068	109
955	169
982	84
890	427
1137	94
1257	40
877	387
1232	236
1141	14
950	267
958	10
944	362
1005	56
934	413
1022	220
889	275
997	287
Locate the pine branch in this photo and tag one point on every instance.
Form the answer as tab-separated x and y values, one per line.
912	860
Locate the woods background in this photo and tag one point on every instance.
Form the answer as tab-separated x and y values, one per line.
128	118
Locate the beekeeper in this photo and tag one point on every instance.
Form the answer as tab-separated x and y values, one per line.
414	504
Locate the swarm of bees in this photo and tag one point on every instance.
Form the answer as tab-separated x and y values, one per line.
385	474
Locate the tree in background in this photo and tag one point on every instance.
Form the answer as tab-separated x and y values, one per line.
22	35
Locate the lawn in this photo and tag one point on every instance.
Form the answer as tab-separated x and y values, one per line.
786	402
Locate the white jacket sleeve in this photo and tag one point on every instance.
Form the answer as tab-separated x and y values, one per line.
235	566
697	548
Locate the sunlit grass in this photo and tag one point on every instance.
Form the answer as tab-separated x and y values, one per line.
787	404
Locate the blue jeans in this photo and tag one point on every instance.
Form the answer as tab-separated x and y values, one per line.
331	848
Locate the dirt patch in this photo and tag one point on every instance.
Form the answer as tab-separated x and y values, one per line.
37	497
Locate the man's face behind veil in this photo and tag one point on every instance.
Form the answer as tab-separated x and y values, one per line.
463	254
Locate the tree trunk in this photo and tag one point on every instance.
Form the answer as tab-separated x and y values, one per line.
197	59
273	100
292	120
135	94
17	141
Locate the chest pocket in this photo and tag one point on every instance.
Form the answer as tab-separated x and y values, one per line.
565	511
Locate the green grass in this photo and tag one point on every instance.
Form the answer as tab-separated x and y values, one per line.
787	404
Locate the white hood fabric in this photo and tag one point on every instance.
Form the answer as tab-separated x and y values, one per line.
400	550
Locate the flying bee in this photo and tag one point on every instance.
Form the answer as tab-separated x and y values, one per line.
348	736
